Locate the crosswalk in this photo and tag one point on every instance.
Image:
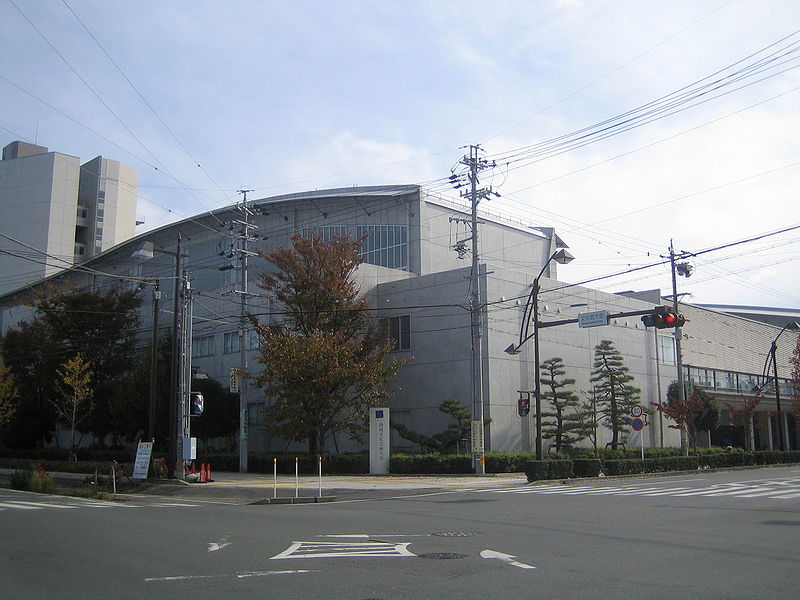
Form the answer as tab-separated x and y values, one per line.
77	503
778	489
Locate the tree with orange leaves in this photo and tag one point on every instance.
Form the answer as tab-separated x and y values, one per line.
326	363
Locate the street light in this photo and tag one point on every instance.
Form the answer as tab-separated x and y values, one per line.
532	312
773	350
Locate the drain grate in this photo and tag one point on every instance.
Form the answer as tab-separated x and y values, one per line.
455	533
442	555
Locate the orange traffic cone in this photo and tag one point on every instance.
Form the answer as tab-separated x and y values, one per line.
203	475
193	470
208	473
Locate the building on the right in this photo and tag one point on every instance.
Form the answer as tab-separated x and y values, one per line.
728	352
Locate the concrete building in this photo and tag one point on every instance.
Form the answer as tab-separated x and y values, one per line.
417	280
55	212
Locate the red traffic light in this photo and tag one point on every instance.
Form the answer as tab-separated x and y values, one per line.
663	317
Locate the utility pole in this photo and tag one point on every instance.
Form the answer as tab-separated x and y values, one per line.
151	409
243	251
678	338
176	371
475	165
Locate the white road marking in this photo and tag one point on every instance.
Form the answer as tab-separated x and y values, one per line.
241	575
367	536
222	543
21	504
784	489
343	550
506	558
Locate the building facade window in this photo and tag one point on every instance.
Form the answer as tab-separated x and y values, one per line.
253	343
397	329
203	346
666	350
230	342
325	232
385	245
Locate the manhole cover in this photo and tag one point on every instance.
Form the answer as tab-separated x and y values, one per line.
455	533
442	555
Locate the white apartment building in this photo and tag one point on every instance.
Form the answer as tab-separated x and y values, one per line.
56	212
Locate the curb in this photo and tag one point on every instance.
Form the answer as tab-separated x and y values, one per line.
298	500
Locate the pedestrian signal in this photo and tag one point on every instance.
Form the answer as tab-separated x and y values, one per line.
195	404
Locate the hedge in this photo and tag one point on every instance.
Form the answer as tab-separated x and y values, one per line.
575	463
536	470
650	465
587	467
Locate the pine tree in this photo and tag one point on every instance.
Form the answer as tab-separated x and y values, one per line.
562	423
613	394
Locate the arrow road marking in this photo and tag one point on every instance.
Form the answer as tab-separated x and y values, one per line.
214	546
506	558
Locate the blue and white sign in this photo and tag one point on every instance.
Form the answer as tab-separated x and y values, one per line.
593	319
379	441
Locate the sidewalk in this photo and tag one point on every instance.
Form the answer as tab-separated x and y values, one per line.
246	488
249	487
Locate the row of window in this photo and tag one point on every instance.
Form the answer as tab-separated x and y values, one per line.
398	329
384	245
204	345
742	383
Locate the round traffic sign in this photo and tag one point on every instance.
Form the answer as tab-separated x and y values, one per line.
637	410
637	424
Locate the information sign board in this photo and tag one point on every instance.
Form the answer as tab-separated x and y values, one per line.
477	437
140	465
379	445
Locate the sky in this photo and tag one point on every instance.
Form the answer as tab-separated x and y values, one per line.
687	113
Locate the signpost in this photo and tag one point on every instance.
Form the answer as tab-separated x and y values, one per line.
639	422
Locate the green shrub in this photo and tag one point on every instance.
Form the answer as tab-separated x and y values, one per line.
507	462
42	482
732	459
650	465
560	469
586	467
537	470
21	480
767	457
661	452
430	463
37	480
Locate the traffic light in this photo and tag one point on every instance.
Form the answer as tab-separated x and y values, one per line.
523	406
195	404
663	317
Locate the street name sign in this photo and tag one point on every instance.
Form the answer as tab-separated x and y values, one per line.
593	319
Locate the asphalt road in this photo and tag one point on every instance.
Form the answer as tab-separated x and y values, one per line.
715	535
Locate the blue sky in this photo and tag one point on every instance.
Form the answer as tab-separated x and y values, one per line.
283	97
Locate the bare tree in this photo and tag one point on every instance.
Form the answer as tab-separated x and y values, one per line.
74	400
